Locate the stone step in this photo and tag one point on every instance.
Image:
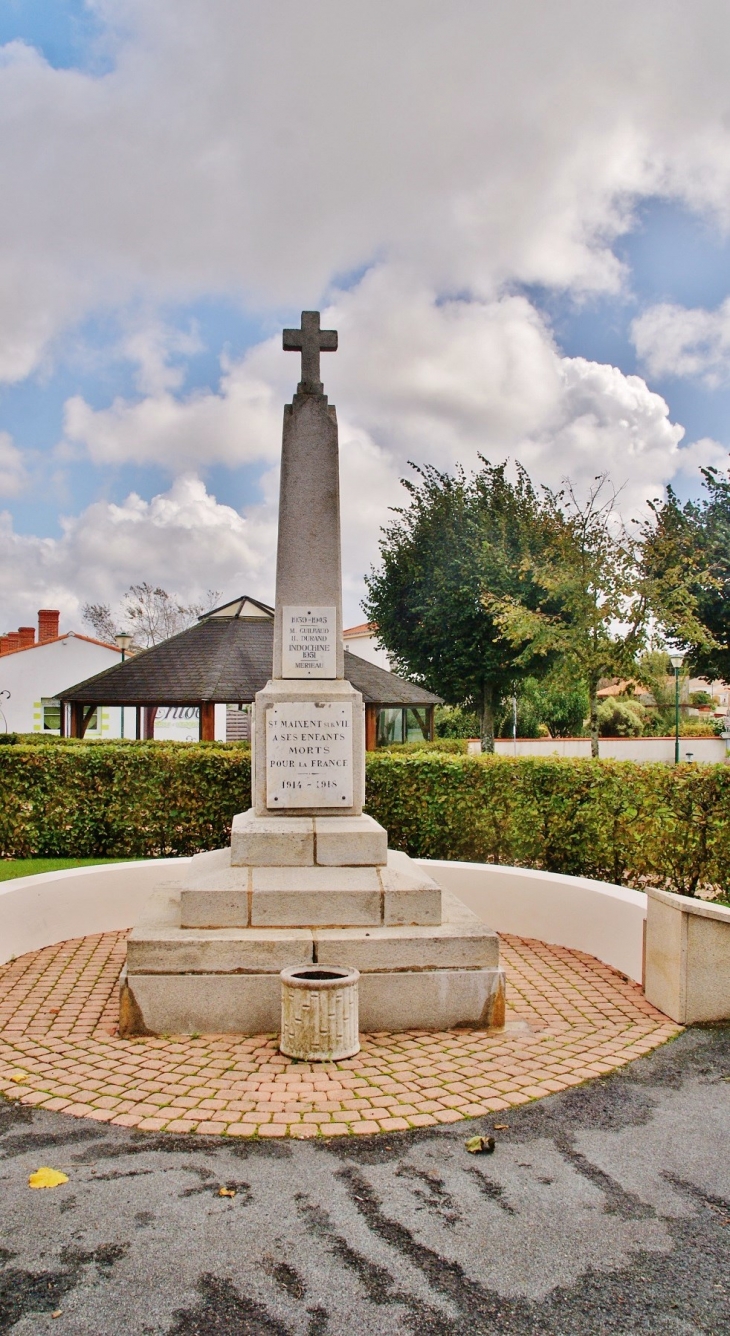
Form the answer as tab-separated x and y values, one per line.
251	1003
159	945
303	841
217	894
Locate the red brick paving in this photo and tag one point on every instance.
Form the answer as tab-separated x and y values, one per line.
569	1018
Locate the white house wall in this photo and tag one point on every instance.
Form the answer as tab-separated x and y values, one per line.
40	672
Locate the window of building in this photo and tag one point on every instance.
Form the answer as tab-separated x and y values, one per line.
402	724
51	716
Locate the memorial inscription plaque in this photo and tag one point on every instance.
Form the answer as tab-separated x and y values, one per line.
309	761
309	646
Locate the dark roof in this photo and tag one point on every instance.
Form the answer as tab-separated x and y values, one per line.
226	660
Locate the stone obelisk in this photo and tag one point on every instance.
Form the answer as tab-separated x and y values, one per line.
308	877
309	723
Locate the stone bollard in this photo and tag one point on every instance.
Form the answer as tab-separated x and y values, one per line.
319	1014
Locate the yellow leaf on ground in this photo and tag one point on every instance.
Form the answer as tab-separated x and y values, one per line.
226	1192
47	1178
18	1076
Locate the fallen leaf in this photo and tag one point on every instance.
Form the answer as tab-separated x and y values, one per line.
501	1127
57	1313
47	1178
18	1077
480	1145
226	1192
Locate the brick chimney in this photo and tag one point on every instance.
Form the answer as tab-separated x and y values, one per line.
13	641
48	619
4	645
27	636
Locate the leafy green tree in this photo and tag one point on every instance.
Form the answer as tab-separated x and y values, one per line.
458	540
687	558
558	704
593	608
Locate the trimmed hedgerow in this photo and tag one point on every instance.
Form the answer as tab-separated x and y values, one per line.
613	820
134	800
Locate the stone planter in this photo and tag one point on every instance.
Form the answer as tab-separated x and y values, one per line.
319	1013
687	958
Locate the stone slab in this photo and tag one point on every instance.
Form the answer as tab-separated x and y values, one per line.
302	693
461	941
350	841
251	1004
410	896
687	957
315	896
159	945
272	841
200	1004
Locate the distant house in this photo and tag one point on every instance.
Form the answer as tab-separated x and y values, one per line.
362	640
212	672
32	669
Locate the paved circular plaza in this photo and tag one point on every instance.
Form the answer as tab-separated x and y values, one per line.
569	1018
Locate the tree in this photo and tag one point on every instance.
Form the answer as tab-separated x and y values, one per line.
688	559
99	618
593	609
148	613
459	539
558	703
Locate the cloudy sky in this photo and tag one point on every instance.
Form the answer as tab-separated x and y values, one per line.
516	214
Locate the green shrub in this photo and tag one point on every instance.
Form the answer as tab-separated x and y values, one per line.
127	799
620	718
452	721
615	821
456	746
612	820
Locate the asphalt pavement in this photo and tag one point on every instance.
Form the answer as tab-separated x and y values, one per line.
605	1208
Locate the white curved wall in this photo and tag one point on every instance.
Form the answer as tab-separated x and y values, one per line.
54	906
603	920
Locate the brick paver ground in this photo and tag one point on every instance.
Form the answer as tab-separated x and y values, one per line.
569	1018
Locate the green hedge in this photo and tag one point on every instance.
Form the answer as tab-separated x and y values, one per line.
132	800
614	820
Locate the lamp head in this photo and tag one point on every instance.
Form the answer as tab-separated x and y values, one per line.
676	661
124	640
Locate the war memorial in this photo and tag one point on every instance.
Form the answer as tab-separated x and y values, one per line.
308	879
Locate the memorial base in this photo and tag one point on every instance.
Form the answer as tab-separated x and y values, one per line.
226	980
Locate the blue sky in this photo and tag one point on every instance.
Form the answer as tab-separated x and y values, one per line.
177	187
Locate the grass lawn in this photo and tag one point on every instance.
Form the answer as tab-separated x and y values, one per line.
30	867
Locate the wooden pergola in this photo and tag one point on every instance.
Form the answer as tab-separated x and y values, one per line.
224	659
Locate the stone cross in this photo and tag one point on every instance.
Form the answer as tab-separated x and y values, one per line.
310	341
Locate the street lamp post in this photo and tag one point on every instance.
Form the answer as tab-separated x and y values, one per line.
676	662
124	640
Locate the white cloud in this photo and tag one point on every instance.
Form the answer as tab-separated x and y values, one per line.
678	341
415	378
13	475
260	150
181	539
